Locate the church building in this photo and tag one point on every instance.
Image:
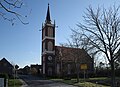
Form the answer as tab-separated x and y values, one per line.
59	60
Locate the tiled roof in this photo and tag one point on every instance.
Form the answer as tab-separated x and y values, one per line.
72	54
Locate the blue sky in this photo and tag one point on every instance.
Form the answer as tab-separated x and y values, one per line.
21	44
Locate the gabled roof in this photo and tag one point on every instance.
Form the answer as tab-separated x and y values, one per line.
4	61
72	54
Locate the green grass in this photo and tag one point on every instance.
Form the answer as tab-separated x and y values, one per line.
16	82
82	83
98	78
89	84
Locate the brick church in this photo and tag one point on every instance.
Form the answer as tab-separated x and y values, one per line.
59	60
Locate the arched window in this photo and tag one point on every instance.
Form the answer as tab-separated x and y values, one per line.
43	58
43	68
43	46
69	68
50	46
50	32
43	33
50	71
58	68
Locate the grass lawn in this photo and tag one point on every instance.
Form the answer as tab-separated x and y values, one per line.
16	82
91	82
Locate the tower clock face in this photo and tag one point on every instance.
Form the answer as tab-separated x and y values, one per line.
49	58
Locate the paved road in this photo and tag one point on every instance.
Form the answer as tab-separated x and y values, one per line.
32	81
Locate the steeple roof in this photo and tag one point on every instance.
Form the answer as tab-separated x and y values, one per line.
48	14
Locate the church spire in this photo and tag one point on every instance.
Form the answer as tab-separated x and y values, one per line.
48	20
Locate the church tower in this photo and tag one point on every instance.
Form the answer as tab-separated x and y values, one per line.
48	46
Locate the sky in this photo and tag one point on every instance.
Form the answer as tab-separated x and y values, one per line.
21	44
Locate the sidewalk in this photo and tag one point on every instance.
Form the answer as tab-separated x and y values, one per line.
24	83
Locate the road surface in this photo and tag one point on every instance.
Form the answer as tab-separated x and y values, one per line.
32	81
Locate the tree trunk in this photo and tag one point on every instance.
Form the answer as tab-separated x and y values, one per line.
112	74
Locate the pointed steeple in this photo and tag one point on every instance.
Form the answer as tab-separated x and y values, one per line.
48	20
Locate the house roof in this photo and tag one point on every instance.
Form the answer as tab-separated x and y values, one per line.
5	62
72	54
36	66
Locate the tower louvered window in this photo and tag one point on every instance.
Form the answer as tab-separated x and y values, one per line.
50	46
50	32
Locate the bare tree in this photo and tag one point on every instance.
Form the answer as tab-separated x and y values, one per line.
83	42
103	26
75	42
9	10
78	42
